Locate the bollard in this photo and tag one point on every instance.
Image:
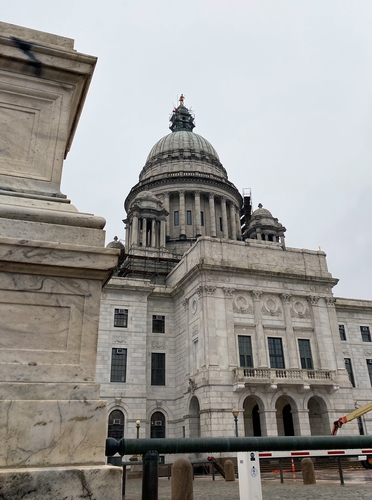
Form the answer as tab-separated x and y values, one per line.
182	480
307	468
150	469
229	471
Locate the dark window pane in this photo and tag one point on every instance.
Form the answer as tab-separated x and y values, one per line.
366	334
341	329
276	352
158	324
118	365
157	368
188	217
305	354
221	227
157	425
121	318
176	218
349	370
116	424
202	218
245	351
369	367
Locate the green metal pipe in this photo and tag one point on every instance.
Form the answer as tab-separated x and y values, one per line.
207	445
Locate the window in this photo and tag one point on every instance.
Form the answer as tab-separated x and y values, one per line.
366	334
157	368
158	324
221	227
157	425
245	351
276	352
176	218
305	354
118	365
341	329
121	318
188	217
202	218
116	424
369	368
349	370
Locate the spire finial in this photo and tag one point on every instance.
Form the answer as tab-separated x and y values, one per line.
260	205
182	100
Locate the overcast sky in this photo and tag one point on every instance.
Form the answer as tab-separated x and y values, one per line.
281	88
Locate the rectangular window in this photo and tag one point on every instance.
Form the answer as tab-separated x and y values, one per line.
276	352
349	370
176	218
341	329
366	334
245	351
158	324
221	227
118	365
305	354
202	218
188	217
157	368
369	367
121	318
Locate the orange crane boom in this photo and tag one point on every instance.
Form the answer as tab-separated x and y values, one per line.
350	416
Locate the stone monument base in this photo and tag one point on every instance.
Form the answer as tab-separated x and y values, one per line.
61	483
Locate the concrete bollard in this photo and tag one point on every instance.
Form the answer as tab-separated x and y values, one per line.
182	480
229	471
307	469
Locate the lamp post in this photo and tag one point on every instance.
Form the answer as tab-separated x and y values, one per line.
235	413
138	425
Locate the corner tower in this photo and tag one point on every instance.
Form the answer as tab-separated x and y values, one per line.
184	172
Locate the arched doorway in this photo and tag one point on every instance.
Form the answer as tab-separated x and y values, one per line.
194	420
157	425
116	424
252	422
318	417
284	416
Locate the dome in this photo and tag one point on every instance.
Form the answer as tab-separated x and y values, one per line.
116	244
146	196
263	212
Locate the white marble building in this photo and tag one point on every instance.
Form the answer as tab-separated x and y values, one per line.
209	311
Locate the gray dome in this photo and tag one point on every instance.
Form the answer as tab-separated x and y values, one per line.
183	140
263	212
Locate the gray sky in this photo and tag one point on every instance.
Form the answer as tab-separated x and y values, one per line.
281	88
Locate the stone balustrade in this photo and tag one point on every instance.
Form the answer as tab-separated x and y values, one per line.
289	376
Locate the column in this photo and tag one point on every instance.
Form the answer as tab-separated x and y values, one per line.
182	213
291	340
268	423
144	231
301	422
212	216
197	213
127	237
239	226
166	206
135	229
233	221
260	337
326	352
225	229
153	233
162	232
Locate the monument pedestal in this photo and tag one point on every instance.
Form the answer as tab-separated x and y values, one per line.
53	265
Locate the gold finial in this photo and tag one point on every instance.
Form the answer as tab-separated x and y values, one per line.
182	99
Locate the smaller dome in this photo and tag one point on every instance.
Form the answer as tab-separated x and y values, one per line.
146	196
116	244
261	211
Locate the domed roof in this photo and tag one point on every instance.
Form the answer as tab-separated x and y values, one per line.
263	212
147	196
183	140
116	244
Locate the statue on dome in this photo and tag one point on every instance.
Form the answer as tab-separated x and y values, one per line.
182	99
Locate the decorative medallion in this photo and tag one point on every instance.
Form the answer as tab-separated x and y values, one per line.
271	308
242	305
158	344
194	306
299	310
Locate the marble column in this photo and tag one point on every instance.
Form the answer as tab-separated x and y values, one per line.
197	213
153	233
162	232
127	237
166	206
224	218
239	226
144	232
331	301
260	337
269	426
290	336
135	229
301	422
212	216
233	221
182	213
325	352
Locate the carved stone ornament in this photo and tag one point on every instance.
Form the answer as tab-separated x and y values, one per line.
331	301
368	353
271	308
209	289
256	294
345	353
229	292
313	299
158	344
299	310
242	305
185	303
194	306
286	297
199	291
119	340
320	289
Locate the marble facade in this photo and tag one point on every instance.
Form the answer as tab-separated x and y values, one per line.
52	267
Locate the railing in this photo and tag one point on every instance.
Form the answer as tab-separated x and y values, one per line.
275	374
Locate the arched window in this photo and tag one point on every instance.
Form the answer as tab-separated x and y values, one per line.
157	425
116	424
